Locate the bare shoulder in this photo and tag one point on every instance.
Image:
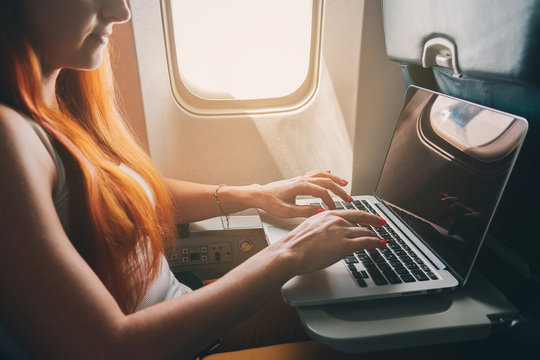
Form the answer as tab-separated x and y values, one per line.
28	171
14	129
11	122
22	153
27	177
39	266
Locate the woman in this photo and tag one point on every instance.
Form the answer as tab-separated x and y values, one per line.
84	214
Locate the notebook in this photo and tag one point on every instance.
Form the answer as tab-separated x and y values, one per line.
443	176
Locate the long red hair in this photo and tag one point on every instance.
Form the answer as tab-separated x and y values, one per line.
113	223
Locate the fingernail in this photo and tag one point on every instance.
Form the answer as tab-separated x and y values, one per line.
382	221
328	171
319	210
344	181
383	242
351	199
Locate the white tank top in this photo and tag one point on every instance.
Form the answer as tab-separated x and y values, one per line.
164	287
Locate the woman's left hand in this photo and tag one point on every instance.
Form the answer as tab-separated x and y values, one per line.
279	198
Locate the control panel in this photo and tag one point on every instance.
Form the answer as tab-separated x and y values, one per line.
201	253
207	251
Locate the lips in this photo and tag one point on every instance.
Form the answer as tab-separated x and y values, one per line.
101	37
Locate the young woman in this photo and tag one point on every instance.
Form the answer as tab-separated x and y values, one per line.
84	214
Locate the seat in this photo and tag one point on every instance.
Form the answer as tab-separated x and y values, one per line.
484	51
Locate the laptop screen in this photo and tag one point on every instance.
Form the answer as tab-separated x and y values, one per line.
445	171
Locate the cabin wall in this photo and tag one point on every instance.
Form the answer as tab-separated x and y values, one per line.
345	127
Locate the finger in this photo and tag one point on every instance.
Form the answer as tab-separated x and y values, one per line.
331	185
318	172
365	243
359	231
293	210
360	217
308	188
328	175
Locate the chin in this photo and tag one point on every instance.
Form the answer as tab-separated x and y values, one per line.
91	63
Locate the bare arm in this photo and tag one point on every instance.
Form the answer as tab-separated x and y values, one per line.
58	306
194	202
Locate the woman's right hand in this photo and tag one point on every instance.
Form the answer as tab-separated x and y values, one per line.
329	236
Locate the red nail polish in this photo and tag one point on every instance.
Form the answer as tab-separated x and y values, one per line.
382	221
351	199
328	171
344	181
383	242
319	210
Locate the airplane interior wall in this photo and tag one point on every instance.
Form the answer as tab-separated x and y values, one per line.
345	127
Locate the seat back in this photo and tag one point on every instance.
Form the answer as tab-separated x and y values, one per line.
484	51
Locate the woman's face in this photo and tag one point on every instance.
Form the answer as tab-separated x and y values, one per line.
72	33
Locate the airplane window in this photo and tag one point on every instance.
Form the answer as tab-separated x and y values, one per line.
242	55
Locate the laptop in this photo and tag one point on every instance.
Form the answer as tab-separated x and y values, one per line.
443	176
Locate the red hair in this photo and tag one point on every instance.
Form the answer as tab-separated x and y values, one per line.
113	224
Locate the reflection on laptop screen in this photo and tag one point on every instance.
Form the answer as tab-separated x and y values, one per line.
445	171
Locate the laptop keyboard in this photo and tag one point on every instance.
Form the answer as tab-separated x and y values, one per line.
393	264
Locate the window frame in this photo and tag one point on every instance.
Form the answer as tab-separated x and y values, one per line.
201	106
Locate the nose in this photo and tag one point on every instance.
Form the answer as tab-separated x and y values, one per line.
116	11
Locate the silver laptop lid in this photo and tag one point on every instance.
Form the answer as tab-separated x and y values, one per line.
446	169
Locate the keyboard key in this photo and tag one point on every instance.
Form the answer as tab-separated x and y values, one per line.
408	278
384	234
366	204
338	205
411	266
392	277
431	275
405	259
363	257
361	282
351	260
368	262
359	205
376	275
419	275
401	271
